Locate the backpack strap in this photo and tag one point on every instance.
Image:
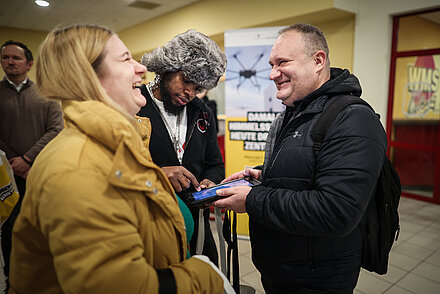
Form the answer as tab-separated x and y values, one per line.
221	238
230	221
329	114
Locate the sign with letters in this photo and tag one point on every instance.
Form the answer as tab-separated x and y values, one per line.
250	101
417	89
250	96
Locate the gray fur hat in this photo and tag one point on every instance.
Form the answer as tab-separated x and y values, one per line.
199	57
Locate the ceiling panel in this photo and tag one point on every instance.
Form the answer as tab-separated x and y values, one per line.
25	14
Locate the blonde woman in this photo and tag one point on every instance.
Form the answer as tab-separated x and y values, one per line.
99	216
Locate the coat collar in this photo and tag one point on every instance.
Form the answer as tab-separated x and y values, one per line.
128	140
6	82
132	165
104	124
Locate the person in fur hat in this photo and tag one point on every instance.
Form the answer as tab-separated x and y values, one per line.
184	138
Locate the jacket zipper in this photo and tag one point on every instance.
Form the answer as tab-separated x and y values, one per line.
193	125
296	122
312	267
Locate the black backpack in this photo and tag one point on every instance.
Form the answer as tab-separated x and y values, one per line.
380	223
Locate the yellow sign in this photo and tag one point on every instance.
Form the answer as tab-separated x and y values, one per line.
245	142
417	88
8	190
250	100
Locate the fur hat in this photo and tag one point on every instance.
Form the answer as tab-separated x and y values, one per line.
199	57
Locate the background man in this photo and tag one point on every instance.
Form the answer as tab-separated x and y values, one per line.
27	124
305	239
184	136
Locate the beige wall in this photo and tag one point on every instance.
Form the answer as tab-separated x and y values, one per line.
339	34
410	38
340	38
213	17
372	46
32	39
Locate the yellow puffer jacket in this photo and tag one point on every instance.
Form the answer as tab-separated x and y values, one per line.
99	216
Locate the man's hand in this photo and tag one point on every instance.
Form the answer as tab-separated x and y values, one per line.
206	183
19	166
249	172
236	200
180	178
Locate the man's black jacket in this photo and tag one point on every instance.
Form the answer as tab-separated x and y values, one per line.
309	236
202	155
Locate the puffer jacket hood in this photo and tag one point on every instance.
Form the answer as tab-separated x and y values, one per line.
341	82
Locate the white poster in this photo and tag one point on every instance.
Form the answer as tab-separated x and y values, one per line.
250	101
247	85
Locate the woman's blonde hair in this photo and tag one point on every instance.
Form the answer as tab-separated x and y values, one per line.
68	61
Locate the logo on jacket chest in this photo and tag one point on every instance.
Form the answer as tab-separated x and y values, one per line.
297	134
203	122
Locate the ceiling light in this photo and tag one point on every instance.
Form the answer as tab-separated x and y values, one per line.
42	3
144	5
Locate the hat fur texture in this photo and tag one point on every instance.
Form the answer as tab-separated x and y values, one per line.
192	52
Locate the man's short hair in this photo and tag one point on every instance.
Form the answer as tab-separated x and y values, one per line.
192	52
27	52
313	37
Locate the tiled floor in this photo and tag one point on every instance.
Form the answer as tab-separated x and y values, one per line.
414	260
2	282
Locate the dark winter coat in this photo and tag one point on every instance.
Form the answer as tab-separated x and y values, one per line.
310	236
201	157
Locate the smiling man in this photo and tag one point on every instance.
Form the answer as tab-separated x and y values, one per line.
27	124
184	137
304	234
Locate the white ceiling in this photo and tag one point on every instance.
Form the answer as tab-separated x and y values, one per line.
116	14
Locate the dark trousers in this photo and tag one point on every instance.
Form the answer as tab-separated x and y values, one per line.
271	288
6	234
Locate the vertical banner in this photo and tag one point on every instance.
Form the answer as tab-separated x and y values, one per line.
250	100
